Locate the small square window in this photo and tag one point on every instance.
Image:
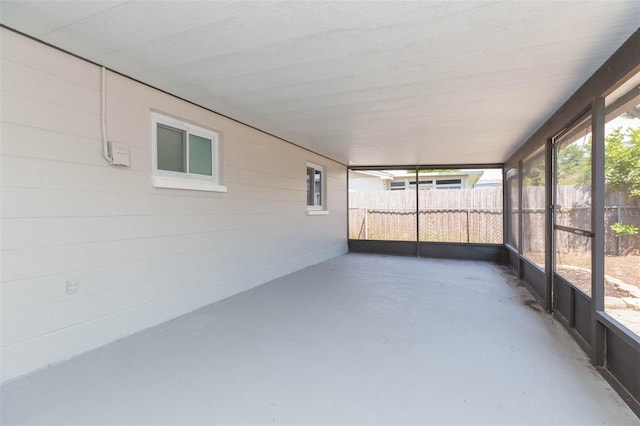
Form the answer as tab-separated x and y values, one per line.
316	189
185	156
200	155
171	149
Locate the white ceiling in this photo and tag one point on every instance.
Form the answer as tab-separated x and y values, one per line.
365	83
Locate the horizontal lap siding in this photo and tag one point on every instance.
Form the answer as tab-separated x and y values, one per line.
141	255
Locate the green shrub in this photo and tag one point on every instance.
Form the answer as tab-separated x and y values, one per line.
624	230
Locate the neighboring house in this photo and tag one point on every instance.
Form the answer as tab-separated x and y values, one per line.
397	180
369	180
435	180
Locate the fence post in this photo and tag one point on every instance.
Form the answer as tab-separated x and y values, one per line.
366	224
468	228
617	236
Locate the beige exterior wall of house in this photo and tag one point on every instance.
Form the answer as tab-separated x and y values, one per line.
140	255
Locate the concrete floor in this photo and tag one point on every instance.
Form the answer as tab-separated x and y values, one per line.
359	339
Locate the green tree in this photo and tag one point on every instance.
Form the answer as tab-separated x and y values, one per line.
533	175
622	170
622	161
574	164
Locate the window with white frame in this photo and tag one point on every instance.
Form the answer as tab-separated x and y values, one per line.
316	189
185	156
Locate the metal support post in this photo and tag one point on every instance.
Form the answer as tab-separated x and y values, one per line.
548	224
597	227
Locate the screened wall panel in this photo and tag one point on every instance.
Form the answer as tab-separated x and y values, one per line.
573	205
592	199
382	205
573	259
622	210
573	177
513	208
471	213
533	207
426	205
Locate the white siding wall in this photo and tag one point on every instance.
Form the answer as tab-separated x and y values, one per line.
142	255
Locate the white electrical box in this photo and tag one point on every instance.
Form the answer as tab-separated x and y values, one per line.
72	285
119	154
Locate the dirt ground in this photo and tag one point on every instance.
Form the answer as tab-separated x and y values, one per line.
623	268
582	280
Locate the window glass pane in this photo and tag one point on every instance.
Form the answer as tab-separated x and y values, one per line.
171	149
200	155
622	211
382	205
310	182
513	201
573	171
573	259
460	205
533	207
317	188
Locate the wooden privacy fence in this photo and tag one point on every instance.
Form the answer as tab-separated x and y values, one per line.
533	222
475	215
448	215
445	225
573	204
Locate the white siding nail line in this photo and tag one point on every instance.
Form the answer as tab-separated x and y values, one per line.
283	207
160	192
115	264
66	299
213	215
159	236
155	215
165	193
48	102
48	130
260	177
266	174
299	184
298	180
166	237
60	275
228	276
223	281
182	253
100	162
141	127
29	126
146	126
238	213
79	271
292	259
230	195
90	143
120	311
72	106
95	87
44	186
279	188
292	177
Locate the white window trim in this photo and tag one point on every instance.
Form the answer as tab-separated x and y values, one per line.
185	180
322	208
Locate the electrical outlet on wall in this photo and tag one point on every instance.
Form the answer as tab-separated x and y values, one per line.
73	285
